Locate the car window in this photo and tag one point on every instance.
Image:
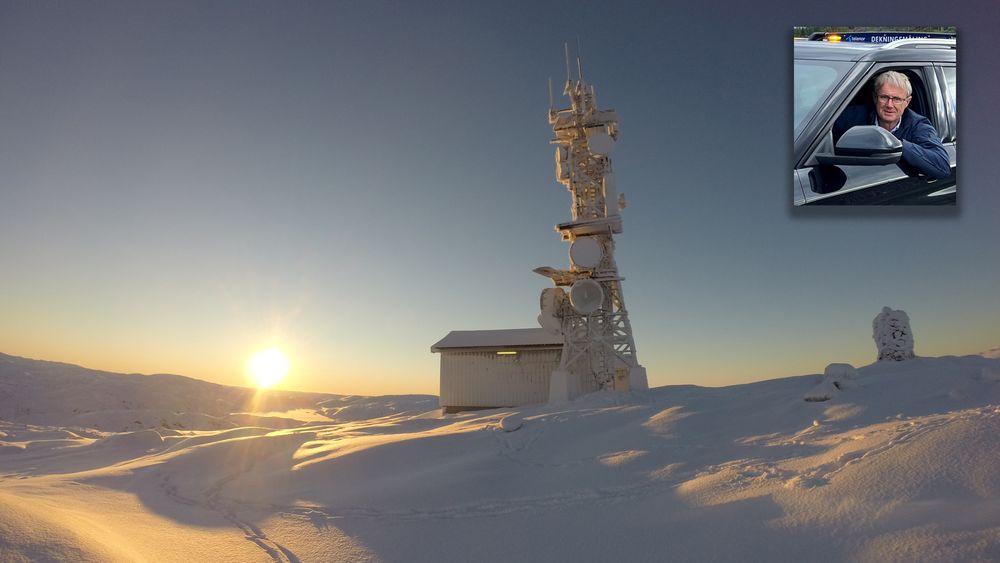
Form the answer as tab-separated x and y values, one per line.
813	81
949	77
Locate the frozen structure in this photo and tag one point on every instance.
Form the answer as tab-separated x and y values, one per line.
892	334
598	347
585	343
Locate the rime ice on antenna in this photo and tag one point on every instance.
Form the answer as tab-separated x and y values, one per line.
598	343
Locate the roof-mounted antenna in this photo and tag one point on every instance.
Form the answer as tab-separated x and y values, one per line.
579	64
569	79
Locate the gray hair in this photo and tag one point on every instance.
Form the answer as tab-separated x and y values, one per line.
897	79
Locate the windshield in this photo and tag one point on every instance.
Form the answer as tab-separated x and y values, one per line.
812	84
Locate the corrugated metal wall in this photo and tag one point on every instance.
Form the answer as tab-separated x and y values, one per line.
486	379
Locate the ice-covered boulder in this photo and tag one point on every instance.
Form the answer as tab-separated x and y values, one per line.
840	373
511	422
892	334
836	378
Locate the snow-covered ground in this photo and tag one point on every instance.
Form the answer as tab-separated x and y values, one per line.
902	463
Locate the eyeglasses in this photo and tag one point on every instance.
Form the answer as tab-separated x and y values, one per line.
882	98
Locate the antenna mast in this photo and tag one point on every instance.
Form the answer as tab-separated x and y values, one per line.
569	78
598	343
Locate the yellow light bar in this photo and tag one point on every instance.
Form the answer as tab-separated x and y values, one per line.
833	38
507	353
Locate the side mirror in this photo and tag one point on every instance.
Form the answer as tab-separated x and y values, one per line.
864	145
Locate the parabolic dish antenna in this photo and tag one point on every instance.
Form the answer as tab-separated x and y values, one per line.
586	252
599	141
586	296
551	300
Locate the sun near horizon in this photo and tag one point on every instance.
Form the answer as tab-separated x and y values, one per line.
267	367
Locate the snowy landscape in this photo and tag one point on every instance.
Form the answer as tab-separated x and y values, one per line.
899	463
242	192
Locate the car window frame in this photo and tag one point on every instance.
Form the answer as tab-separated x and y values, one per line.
950	106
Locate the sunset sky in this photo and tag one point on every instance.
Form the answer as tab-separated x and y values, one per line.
185	183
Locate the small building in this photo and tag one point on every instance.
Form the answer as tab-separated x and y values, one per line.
483	369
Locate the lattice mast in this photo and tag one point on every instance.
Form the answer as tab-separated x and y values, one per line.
593	320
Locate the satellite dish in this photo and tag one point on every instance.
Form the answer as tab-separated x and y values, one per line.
551	301
599	141
586	252
586	296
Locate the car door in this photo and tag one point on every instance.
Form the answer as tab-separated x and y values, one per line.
947	116
880	184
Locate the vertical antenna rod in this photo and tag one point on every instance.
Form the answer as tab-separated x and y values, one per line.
569	78
579	64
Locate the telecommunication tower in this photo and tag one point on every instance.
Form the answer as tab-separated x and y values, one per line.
592	318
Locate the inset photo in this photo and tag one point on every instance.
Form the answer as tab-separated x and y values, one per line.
874	116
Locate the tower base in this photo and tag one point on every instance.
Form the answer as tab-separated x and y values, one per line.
559	391
637	379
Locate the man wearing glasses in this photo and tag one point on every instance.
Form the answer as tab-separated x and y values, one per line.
922	148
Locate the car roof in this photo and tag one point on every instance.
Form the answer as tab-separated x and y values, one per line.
871	52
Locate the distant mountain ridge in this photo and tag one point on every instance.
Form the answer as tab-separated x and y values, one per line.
49	393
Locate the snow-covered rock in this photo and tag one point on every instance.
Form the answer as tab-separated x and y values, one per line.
892	334
511	422
836	378
840	372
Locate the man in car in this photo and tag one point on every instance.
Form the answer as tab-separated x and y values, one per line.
922	148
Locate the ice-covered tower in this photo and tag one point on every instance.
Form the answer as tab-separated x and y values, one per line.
598	350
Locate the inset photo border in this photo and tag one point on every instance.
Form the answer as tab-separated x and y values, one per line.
874	116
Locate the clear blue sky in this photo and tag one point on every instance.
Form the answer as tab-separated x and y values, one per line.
183	183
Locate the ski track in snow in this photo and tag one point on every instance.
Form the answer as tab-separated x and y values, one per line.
487	508
905	433
511	444
757	471
228	509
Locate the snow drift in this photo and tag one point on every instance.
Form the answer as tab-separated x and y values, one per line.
898	465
